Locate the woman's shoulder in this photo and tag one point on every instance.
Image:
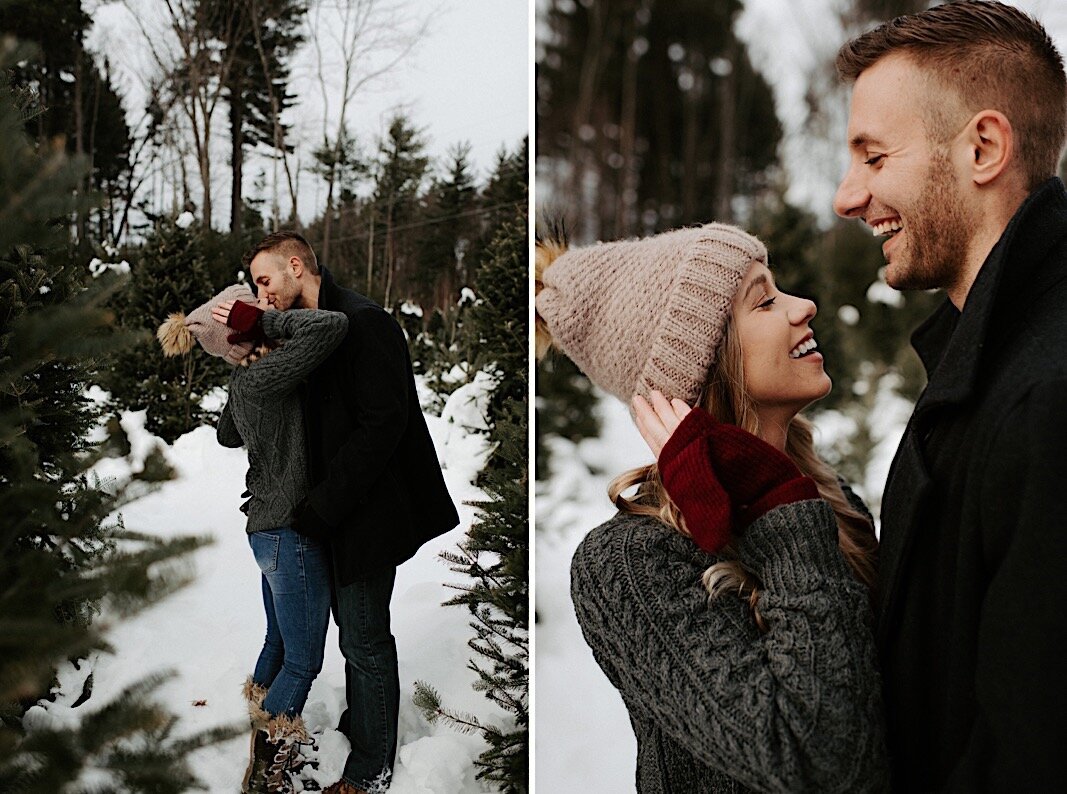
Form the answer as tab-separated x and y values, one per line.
626	533
641	549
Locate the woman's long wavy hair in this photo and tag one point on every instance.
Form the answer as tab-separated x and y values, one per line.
725	399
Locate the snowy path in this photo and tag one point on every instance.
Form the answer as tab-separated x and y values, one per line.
210	632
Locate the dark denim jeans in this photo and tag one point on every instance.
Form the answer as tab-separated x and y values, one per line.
372	681
296	597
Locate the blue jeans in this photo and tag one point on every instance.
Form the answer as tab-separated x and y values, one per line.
296	598
372	681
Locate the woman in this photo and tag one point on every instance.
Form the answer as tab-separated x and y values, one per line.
770	684
264	414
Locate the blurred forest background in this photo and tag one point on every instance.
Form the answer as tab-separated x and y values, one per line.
654	114
116	212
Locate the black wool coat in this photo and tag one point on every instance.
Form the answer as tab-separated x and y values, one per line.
972	623
376	480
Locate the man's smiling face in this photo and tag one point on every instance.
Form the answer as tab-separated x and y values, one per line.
901	183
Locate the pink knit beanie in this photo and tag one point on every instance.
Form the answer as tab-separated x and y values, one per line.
177	334
639	315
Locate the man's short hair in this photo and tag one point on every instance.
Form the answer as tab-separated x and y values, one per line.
994	57
286	243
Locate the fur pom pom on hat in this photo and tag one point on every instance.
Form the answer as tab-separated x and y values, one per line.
639	315
178	332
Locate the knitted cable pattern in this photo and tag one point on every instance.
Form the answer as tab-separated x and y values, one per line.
717	706
264	412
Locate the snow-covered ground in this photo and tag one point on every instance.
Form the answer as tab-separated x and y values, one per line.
210	632
584	739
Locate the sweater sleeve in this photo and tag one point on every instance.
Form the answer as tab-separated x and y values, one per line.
797	708
309	335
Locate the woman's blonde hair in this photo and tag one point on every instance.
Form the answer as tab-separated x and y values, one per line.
256	353
725	399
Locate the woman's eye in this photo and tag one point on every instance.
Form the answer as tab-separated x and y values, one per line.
875	160
766	304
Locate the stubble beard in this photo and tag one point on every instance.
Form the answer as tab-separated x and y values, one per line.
290	295
938	235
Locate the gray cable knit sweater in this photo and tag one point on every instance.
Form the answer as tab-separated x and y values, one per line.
264	412
716	705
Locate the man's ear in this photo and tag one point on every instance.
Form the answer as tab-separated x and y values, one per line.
991	140
296	264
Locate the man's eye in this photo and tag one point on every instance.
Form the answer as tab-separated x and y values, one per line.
875	160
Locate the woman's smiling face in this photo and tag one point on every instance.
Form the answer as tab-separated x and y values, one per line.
783	372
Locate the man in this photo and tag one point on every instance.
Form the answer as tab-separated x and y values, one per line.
956	128
377	489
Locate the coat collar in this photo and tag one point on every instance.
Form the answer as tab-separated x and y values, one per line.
328	290
951	344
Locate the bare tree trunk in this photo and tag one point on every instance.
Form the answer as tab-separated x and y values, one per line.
370	249
204	70
588	78
275	106
627	197
691	107
79	145
236	161
327	218
727	164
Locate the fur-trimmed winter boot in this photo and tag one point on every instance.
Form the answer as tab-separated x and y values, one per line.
275	753
254	695
274	750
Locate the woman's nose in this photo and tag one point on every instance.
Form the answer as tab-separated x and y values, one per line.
802	310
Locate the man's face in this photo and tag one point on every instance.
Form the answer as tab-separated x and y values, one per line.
275	281
900	183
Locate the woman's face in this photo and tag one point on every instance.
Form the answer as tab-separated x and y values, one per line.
783	371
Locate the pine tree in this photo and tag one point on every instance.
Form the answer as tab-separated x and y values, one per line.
495	553
451	228
260	37
60	560
399	174
78	100
169	274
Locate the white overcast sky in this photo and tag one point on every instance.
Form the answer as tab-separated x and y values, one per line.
467	80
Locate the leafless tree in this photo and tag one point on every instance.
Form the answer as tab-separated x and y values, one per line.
357	42
194	64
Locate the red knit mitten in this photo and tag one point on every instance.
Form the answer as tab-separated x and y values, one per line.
721	476
757	476
687	475
245	319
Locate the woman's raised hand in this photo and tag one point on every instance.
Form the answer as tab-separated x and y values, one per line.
721	478
658	420
221	311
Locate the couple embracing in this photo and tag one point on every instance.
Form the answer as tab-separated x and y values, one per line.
761	636
343	485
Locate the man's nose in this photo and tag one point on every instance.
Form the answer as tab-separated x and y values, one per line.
852	196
